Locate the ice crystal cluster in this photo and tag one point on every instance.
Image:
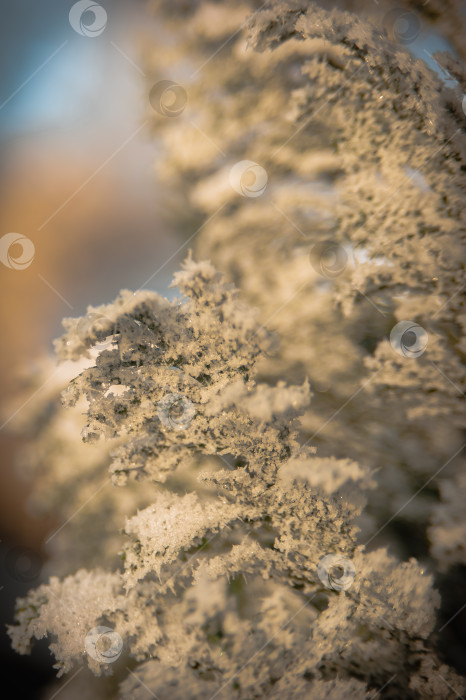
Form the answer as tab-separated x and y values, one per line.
236	463
361	224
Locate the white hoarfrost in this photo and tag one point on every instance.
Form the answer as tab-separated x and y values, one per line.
230	457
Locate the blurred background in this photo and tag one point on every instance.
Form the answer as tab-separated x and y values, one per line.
76	177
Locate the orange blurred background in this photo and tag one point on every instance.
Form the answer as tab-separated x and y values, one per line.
77	179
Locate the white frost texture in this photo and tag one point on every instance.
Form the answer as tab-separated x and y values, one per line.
301	399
